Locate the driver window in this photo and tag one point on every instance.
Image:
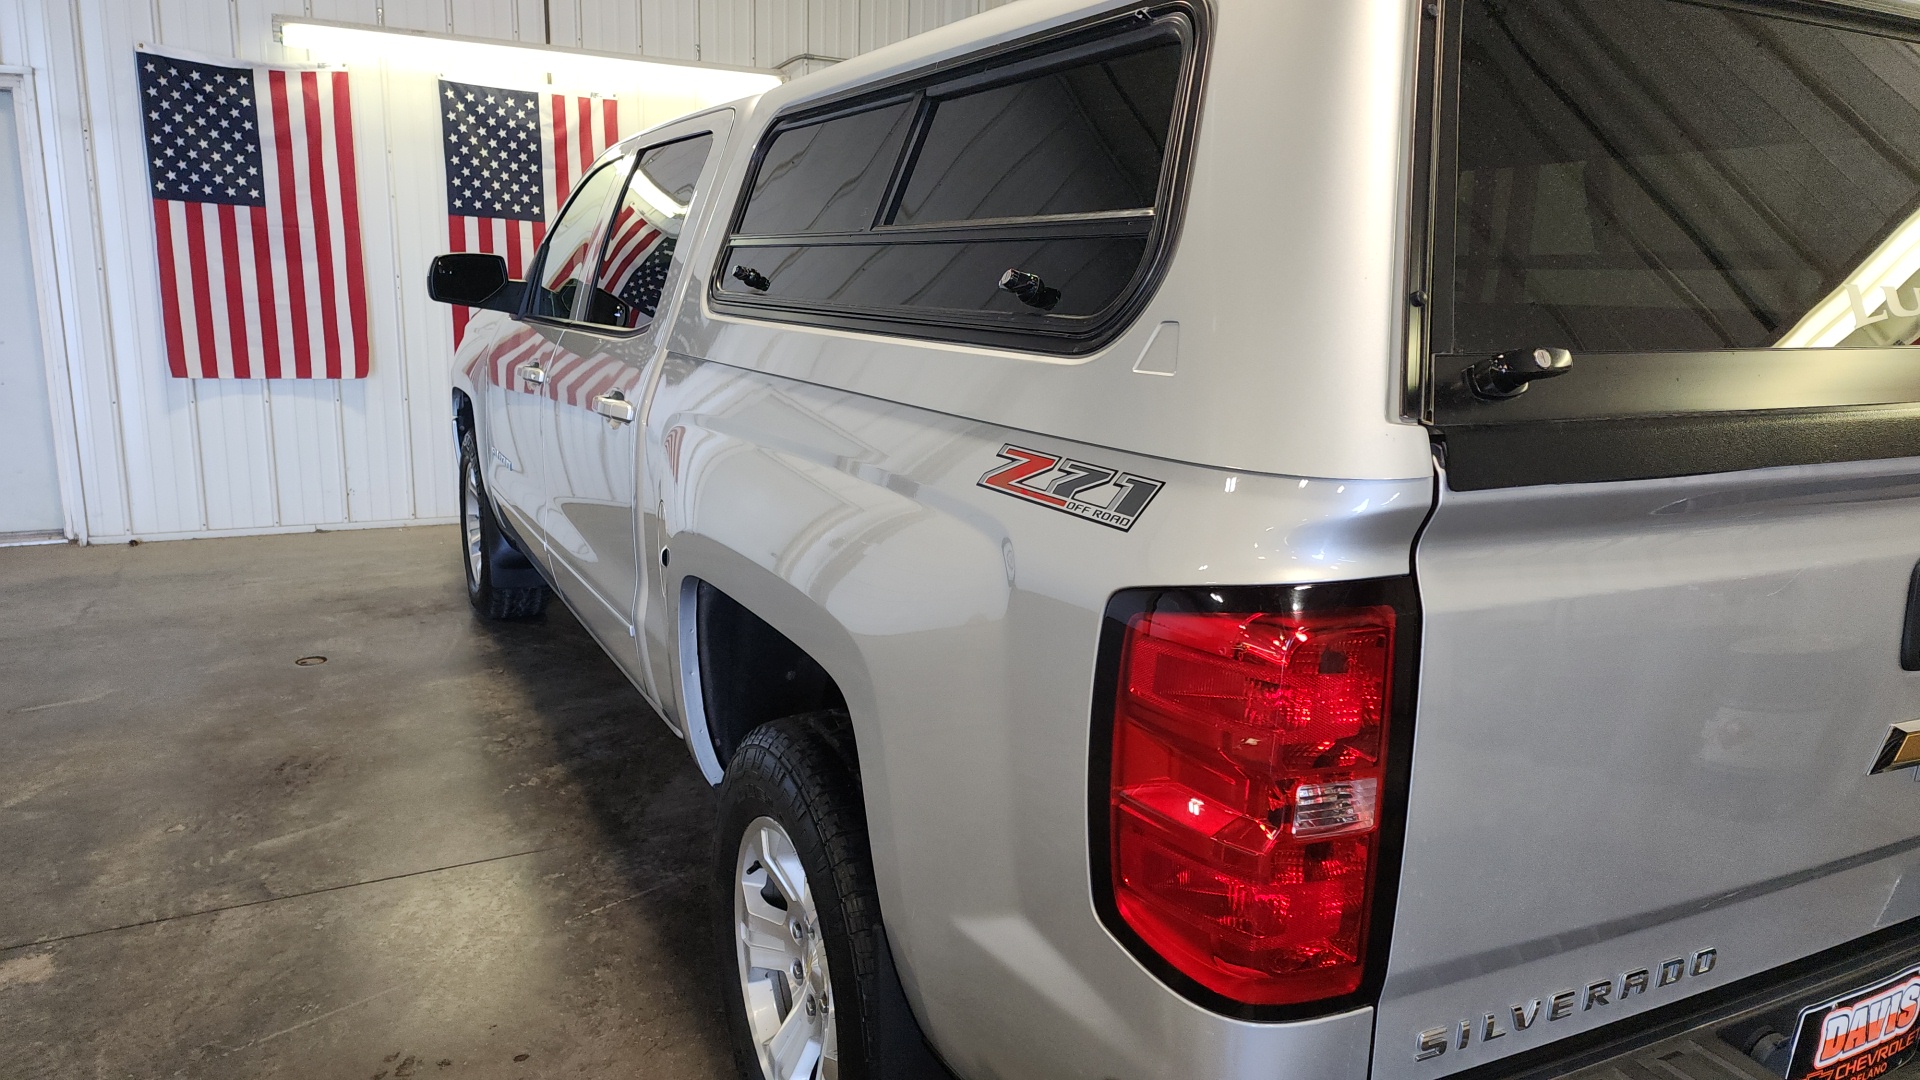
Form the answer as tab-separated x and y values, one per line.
570	247
639	251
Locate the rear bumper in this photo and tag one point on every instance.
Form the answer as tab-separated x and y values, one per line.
1704	1037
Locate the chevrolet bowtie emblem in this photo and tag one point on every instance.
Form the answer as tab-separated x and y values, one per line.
1902	750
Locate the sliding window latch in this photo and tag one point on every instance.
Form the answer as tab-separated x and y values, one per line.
1030	290
1508	374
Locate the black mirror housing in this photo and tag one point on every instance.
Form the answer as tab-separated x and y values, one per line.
474	279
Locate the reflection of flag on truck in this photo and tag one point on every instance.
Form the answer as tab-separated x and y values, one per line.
512	156
572	380
638	258
256	218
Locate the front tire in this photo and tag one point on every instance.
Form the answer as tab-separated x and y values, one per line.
481	544
799	919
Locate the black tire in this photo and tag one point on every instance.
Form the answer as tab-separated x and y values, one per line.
490	601
798	772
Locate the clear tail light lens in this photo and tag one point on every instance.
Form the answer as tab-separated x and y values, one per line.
1248	755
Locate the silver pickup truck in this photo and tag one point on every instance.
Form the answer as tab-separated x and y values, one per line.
1262	538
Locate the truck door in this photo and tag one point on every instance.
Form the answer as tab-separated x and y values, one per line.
520	396
516	416
598	381
1666	582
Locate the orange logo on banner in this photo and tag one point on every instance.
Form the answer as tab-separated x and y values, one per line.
1862	1037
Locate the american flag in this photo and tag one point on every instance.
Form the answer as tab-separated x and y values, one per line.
256	218
512	156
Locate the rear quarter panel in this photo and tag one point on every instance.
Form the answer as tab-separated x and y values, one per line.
962	624
830	482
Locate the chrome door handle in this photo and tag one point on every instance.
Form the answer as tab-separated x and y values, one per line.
532	372
615	407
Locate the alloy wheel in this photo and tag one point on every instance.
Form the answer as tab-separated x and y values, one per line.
470	520
783	960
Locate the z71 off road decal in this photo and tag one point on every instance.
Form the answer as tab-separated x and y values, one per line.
1108	496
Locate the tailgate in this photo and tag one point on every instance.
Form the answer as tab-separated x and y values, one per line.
1665	588
1647	714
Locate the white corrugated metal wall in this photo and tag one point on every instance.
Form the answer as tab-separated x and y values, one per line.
161	457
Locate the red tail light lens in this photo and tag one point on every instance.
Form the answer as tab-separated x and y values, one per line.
1248	754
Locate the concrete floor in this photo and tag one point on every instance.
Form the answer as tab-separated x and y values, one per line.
455	849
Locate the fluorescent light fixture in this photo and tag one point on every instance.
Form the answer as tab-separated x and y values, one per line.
521	66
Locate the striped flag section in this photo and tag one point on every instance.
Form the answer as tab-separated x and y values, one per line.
512	157
256	220
518	342
577	380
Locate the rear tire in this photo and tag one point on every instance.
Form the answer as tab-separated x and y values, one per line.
800	941
481	543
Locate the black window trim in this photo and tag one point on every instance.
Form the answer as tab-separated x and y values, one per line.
1615	417
1109	43
1119	223
1114	31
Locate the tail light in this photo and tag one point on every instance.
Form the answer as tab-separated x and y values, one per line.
1247	764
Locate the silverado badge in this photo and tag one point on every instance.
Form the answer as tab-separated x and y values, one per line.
1549	1009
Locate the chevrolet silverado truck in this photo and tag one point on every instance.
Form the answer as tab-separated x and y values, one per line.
1257	539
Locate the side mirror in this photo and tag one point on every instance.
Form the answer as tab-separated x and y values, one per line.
474	279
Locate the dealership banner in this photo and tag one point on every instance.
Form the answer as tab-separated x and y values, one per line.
256	219
1860	1035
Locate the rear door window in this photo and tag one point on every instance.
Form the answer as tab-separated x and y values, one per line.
644	233
1019	200
674	169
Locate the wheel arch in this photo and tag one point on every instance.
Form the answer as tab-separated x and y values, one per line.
506	556
718	591
752	648
463	413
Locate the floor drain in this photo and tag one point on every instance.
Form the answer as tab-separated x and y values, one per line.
310	661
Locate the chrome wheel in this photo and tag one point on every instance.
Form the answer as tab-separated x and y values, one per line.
470	519
783	961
